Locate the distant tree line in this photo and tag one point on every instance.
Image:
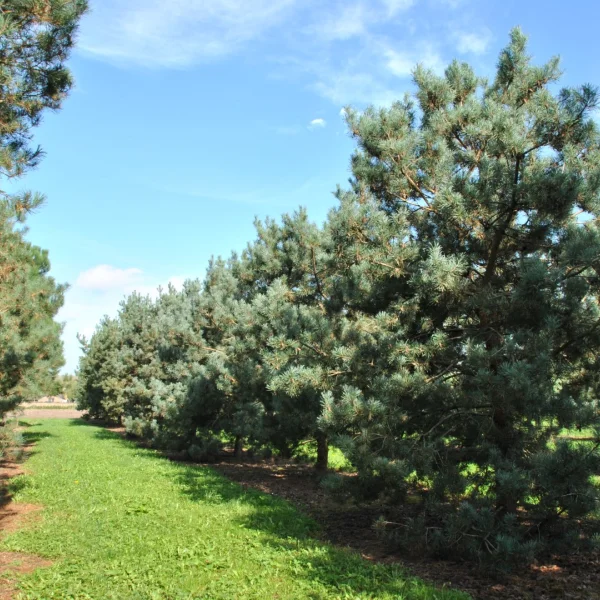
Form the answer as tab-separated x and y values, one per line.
441	328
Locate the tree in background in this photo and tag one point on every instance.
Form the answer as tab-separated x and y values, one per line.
67	386
35	39
100	374
286	268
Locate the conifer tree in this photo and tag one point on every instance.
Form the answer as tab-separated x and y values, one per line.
468	249
101	373
35	39
285	266
30	346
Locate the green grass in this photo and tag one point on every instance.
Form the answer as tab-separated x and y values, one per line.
124	523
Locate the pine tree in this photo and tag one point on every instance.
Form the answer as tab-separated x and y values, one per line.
443	326
101	373
30	346
285	267
468	250
35	39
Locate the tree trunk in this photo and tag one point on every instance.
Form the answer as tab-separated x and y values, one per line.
322	452
285	452
505	503
238	447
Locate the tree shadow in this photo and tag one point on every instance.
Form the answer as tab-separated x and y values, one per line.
33	437
341	570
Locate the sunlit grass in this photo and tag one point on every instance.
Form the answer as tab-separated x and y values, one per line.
123	523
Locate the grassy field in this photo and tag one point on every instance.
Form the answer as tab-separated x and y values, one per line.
121	523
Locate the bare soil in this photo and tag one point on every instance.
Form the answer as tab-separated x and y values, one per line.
51	413
12	517
15	563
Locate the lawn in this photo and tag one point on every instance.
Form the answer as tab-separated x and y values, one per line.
122	522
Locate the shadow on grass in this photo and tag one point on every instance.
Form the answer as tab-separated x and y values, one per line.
33	437
342	571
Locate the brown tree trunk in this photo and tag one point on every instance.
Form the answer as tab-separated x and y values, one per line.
505	503
322	452
238	447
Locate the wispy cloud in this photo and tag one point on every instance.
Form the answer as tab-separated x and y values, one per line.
395	7
473	43
178	33
342	23
348	51
107	277
402	63
345	20
350	86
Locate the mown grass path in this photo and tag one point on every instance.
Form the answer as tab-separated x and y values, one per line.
123	523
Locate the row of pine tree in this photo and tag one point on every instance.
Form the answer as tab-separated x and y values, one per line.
441	327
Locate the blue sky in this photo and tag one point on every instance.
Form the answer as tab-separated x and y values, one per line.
189	118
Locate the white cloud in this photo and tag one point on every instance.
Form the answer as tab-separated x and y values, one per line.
344	20
98	292
402	63
342	49
107	277
317	123
399	64
348	22
178	33
354	86
473	43
182	33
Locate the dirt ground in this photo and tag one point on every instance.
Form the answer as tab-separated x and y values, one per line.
12	517
51	413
